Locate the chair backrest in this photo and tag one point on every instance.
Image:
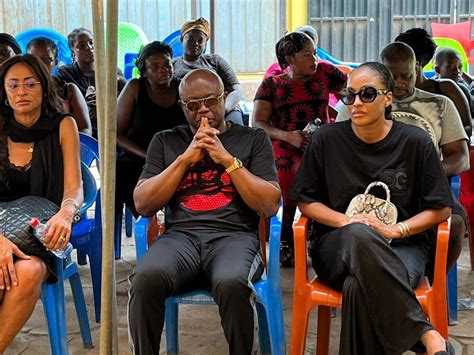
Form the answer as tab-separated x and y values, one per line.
130	39
344	68
89	149
130	70
64	53
324	55
454	45
89	186
460	31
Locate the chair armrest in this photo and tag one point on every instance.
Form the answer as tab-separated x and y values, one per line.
455	185
300	234
273	266
141	228
442	241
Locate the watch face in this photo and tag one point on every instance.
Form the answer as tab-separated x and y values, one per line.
238	163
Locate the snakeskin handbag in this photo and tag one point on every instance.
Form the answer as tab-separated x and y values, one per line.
14	222
384	210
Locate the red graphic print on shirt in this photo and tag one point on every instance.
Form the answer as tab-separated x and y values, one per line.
206	187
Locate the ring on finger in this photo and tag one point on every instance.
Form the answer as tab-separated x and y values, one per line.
63	238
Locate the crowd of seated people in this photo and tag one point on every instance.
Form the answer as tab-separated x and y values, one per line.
182	146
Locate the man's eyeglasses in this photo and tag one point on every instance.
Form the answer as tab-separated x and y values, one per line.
367	95
194	105
28	85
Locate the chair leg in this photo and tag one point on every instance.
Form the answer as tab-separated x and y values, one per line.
263	331
299	327
81	258
470	237
49	304
274	326
128	222
54	304
95	259
118	235
452	286
171	320
324	329
81	310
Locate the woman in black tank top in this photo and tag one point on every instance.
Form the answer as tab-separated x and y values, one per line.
146	106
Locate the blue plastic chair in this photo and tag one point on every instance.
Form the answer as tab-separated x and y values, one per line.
52	295
64	52
87	234
130	70
268	290
452	278
324	55
90	153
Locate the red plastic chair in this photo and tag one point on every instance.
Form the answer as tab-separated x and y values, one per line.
309	294
460	31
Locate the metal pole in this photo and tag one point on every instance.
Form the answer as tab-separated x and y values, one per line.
98	18
106	85
212	6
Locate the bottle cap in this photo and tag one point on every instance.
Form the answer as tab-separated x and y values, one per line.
34	222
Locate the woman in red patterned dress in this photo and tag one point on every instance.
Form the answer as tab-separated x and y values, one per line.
285	104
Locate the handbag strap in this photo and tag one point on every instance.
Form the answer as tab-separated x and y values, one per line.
381	184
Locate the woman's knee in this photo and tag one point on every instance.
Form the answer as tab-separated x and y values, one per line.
31	273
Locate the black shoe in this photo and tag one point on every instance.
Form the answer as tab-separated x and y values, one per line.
287	255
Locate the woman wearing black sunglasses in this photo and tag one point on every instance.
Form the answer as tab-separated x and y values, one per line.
284	105
380	313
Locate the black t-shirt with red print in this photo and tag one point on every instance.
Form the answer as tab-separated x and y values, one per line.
206	199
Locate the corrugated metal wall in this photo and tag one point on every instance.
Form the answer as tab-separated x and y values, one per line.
356	30
245	30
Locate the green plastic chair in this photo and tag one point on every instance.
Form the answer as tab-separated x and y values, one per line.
453	44
131	39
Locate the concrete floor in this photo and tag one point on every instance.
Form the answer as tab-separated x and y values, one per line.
209	339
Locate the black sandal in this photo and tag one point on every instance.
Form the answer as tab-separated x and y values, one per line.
287	255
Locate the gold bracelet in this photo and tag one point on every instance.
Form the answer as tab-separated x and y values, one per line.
400	228
407	229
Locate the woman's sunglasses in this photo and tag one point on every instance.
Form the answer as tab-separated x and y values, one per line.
367	95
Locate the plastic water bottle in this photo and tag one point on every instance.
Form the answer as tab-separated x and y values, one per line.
40	230
312	126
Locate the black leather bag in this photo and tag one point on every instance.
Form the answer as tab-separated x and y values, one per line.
14	223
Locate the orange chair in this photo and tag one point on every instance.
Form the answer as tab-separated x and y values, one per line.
344	68
460	31
309	294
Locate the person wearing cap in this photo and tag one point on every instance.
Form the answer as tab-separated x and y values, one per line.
8	47
194	37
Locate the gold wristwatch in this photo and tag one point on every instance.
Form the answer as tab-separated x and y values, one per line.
236	164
